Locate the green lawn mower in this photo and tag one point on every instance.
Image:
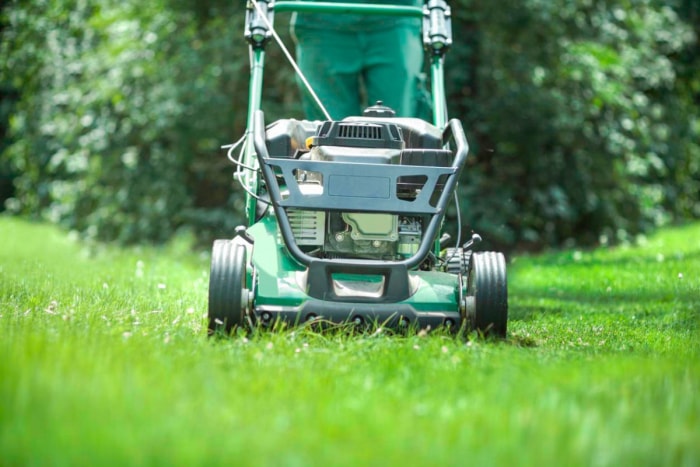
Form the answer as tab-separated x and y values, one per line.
345	217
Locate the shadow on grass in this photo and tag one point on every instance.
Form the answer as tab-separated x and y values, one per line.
615	258
632	285
679	313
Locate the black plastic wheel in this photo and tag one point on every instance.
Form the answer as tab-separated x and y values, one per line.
227	284
487	285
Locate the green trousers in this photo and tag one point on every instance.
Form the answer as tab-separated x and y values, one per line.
351	69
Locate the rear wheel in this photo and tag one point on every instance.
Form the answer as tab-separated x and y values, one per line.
487	293
228	295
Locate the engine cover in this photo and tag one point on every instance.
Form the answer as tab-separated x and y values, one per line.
371	226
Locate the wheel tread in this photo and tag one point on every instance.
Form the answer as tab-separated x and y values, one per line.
227	279
488	284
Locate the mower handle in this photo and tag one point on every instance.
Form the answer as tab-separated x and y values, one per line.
348	8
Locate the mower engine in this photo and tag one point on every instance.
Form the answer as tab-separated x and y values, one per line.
334	234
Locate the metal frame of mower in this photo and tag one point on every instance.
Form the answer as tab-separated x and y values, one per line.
344	217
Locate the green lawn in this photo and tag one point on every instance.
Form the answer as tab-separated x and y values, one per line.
104	361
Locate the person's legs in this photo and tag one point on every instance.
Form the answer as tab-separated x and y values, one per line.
331	62
393	66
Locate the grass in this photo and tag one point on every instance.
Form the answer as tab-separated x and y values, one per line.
104	361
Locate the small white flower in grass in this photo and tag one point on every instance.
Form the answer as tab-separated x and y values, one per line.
444	349
416	347
268	346
578	256
161	286
660	257
189	311
297	350
51	309
167	339
126	335
218	321
680	275
105	285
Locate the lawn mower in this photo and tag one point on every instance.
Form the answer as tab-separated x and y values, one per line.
345	217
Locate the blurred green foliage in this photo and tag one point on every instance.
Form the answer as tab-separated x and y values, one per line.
582	115
582	125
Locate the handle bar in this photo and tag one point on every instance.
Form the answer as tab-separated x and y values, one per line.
353	8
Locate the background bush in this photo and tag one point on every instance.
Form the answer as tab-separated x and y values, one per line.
581	115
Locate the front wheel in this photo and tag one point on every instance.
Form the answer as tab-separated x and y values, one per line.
487	293
228	296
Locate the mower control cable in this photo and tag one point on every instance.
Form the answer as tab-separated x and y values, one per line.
459	229
298	71
240	166
237	162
